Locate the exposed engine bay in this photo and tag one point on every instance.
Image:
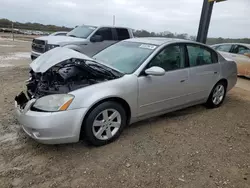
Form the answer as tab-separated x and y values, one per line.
67	76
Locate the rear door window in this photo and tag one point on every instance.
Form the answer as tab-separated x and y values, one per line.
199	55
122	34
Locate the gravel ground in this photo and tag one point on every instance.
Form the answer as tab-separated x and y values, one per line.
190	148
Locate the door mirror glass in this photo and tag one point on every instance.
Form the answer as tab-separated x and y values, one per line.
155	71
96	38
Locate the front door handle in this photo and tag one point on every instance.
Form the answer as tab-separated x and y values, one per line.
183	81
215	72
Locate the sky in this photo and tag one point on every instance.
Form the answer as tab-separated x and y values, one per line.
230	18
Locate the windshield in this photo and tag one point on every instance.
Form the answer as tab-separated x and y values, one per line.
125	56
81	31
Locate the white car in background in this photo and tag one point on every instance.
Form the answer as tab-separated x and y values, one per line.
238	52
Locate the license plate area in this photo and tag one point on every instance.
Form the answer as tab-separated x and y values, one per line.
21	100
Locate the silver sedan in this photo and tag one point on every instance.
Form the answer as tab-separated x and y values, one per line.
70	96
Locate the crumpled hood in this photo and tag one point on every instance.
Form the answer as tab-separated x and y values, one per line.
61	39
55	56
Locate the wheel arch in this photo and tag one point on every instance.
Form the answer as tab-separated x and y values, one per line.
224	80
119	100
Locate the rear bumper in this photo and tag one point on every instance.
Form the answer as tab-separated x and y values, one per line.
51	127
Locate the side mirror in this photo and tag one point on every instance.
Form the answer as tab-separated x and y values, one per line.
247	54
96	38
155	71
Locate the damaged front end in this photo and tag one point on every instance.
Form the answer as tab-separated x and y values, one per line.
64	77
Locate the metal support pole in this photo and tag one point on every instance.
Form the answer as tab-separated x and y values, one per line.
113	20
205	21
12	30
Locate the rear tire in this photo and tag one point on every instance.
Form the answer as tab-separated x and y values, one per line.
104	123
217	95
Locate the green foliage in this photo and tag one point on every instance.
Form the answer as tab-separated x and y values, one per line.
211	41
144	33
5	23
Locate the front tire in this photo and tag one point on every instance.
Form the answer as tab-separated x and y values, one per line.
217	95
104	123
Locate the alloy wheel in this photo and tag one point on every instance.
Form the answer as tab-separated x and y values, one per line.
218	94
106	124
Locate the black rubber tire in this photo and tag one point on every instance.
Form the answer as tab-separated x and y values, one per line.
88	122
209	103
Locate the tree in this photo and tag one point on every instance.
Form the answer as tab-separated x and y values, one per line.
5	23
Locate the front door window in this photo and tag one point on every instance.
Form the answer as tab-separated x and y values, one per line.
170	58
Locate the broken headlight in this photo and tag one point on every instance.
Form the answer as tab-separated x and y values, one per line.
54	103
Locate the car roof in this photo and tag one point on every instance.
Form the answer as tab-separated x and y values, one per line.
156	40
110	26
243	44
114	26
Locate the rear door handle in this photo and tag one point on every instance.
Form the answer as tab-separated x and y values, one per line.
183	80
215	72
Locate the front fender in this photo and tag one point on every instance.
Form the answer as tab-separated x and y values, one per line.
88	96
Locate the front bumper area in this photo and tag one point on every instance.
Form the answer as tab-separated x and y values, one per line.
51	127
